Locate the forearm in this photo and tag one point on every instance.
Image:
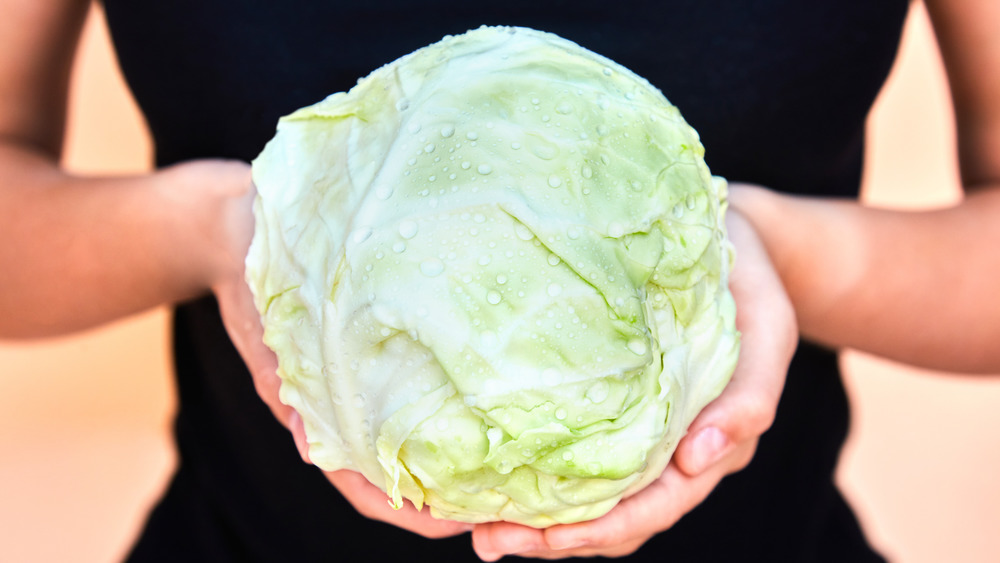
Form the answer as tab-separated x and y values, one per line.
918	287
77	252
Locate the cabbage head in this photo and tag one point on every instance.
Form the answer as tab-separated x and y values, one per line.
495	276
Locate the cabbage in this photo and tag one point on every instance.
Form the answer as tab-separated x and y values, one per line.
495	276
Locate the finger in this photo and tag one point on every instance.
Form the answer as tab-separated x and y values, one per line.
742	413
623	549
637	518
494	540
298	429
247	334
766	320
371	502
650	511
620	532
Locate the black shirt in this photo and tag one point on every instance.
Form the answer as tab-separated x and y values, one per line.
779	91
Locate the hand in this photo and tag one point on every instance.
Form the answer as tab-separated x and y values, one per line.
720	441
222	190
242	321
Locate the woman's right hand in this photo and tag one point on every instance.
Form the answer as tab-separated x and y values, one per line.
243	324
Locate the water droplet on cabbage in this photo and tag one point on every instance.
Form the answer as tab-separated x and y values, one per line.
554	289
360	400
637	346
598	392
543	149
408	228
431	267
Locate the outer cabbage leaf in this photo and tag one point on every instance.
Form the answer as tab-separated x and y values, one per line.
495	276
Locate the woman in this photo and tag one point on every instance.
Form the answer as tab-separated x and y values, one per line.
779	93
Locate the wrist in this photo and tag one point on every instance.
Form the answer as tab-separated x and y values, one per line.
763	209
215	199
816	247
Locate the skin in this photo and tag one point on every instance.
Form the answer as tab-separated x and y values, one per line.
123	244
917	287
844	274
853	275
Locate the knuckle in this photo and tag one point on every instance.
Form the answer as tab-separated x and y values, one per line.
752	416
744	455
760	415
366	511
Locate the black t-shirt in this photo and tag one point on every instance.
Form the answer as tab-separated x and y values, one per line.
779	91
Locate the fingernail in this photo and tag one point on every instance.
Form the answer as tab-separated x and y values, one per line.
709	445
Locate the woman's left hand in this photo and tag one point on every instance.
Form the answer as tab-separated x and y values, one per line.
721	441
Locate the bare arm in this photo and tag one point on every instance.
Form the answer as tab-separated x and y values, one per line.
918	287
76	252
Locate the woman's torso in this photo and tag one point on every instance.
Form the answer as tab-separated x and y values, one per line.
777	89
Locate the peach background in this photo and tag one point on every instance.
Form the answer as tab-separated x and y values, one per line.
84	421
